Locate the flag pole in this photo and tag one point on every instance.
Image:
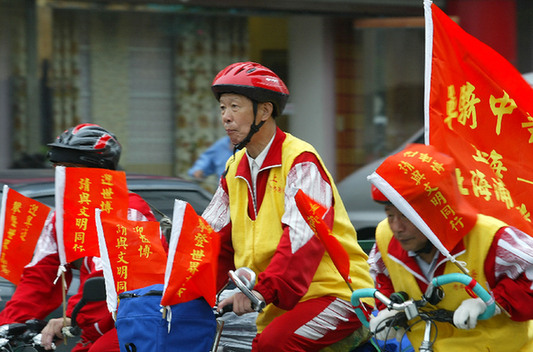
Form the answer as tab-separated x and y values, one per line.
64	291
349	286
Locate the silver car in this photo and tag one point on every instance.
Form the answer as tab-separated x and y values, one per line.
355	192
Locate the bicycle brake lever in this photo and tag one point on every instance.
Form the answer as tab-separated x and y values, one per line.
71	331
257	304
441	315
399	319
226	309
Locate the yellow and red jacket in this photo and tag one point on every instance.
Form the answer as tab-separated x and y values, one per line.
290	266
498	333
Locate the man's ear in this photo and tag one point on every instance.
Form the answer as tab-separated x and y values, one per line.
265	110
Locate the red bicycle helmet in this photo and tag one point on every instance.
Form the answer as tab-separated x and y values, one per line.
86	144
379	197
254	81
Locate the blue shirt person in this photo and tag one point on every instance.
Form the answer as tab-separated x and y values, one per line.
212	160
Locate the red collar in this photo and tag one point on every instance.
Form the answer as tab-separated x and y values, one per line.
272	159
402	257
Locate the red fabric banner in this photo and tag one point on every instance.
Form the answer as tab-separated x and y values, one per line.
23	221
135	252
479	111
193	254
80	193
312	212
425	179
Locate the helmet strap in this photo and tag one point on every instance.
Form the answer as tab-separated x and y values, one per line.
253	130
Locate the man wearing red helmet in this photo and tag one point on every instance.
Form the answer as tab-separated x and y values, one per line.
36	296
254	210
419	190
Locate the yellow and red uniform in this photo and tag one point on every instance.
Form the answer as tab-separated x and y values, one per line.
423	184
264	230
499	333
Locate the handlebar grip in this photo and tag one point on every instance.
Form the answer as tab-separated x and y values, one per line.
257	304
478	290
356	302
445	316
226	309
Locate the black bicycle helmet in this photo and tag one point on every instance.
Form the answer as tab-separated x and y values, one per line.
86	144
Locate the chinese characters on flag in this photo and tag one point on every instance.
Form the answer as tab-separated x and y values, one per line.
420	182
479	110
132	253
21	223
312	212
79	191
192	259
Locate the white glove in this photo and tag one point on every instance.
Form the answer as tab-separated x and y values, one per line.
379	328
465	317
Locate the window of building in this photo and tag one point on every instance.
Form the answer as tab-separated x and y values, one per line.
392	81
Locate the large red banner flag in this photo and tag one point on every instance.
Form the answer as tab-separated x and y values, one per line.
21	222
192	258
132	254
479	110
313	212
78	192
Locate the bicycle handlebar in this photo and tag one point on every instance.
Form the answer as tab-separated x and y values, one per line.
438	281
257	304
356	302
244	280
477	288
22	336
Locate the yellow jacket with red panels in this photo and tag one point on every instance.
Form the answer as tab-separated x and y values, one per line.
291	265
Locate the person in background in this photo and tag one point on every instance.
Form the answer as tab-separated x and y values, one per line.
85	145
254	210
497	255
212	160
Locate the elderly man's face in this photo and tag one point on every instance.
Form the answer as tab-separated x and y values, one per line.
409	236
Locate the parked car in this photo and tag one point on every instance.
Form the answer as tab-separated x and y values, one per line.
159	191
364	213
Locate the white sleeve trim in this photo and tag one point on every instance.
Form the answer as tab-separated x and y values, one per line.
307	177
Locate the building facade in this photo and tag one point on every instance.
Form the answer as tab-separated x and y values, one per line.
143	69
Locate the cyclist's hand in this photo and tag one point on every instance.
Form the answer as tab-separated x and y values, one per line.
380	328
465	317
241	303
52	330
198	174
